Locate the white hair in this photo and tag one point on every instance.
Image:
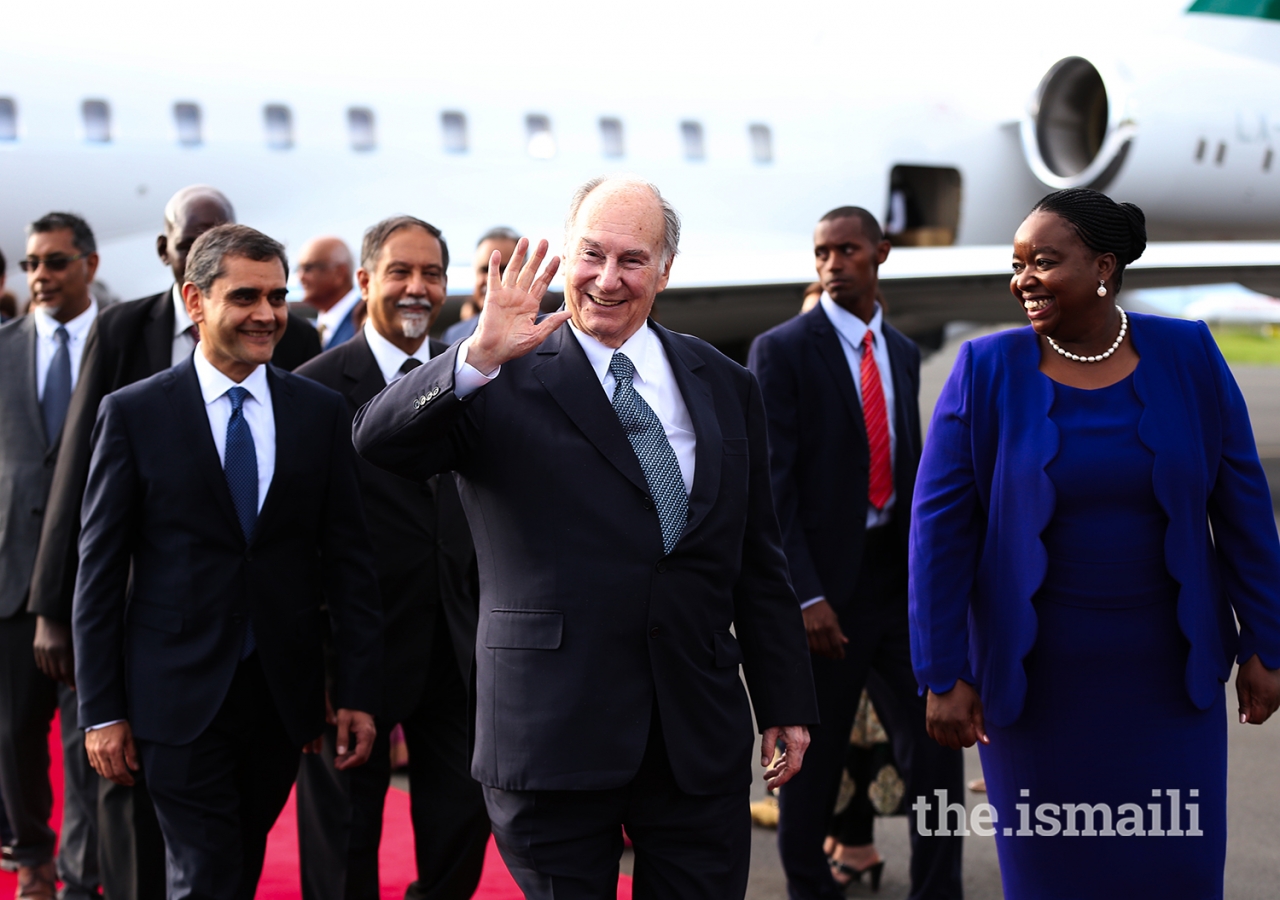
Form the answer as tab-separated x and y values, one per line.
671	218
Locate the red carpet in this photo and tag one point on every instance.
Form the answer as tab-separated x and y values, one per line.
280	873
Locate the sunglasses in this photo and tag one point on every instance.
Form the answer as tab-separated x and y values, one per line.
55	263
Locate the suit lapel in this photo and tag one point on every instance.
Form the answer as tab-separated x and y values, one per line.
288	445
360	370
26	364
159	332
567	376
902	391
690	372
183	389
831	352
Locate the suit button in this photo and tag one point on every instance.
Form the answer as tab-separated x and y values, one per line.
647	502
655	632
661	565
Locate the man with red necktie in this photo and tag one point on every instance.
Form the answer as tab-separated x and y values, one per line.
841	389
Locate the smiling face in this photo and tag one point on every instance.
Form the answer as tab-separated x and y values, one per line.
243	317
614	265
63	294
405	291
1056	277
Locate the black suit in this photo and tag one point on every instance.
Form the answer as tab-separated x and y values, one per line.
168	586
821	462
128	342
603	665
426	578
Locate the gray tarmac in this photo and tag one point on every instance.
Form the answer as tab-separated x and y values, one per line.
1253	846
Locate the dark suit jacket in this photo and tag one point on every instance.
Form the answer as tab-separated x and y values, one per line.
422	546
984	499
585	625
818	449
128	342
167	580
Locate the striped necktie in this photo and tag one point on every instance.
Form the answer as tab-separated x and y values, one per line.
880	484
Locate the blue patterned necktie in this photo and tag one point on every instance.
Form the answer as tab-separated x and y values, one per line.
57	387
240	465
657	459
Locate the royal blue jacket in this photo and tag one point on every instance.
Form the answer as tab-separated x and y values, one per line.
983	499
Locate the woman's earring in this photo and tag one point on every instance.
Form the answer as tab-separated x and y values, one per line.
1102	289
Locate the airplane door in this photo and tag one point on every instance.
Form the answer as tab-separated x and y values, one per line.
924	206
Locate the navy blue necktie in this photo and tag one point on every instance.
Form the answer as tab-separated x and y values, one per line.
57	387
649	439
240	465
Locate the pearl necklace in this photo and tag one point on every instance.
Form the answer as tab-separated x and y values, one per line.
1124	328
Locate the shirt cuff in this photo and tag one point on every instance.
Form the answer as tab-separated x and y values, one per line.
806	604
468	379
103	725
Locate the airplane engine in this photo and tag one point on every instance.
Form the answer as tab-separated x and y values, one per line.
1070	133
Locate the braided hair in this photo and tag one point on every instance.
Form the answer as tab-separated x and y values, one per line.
1104	225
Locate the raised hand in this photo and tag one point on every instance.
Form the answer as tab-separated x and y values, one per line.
509	326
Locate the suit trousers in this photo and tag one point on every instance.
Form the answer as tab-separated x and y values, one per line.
130	845
217	797
565	845
340	813
28	699
879	641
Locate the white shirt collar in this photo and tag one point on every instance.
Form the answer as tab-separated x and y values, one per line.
332	317
77	328
643	348
850	327
213	383
181	321
388	356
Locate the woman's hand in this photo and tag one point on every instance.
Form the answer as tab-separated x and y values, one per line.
954	718
1258	689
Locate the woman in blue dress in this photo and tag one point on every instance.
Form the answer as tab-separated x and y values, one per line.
1090	521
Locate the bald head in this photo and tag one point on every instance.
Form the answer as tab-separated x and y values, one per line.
325	268
188	214
597	190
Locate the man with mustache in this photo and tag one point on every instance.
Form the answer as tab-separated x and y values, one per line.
41	354
426	578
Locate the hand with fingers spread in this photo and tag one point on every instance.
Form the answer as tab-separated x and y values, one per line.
112	752
782	767
509	326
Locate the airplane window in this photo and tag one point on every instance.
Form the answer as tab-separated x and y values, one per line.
279	122
1221	155
761	143
1266	160
186	118
611	137
542	145
691	137
1200	148
8	119
454	127
97	121
360	126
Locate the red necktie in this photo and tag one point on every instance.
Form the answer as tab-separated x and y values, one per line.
880	486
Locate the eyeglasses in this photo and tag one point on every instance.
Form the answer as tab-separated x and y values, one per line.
55	263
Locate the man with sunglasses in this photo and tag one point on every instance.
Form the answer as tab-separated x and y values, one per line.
40	358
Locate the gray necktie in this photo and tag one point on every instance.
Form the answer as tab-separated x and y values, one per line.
57	387
657	459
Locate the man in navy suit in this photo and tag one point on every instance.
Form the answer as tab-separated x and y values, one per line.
841	389
222	537
324	270
426	575
616	480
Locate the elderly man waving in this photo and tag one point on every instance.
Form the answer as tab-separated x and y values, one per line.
616	480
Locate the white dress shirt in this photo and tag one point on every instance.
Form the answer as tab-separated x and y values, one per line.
47	342
258	414
653	380
328	321
183	342
388	356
